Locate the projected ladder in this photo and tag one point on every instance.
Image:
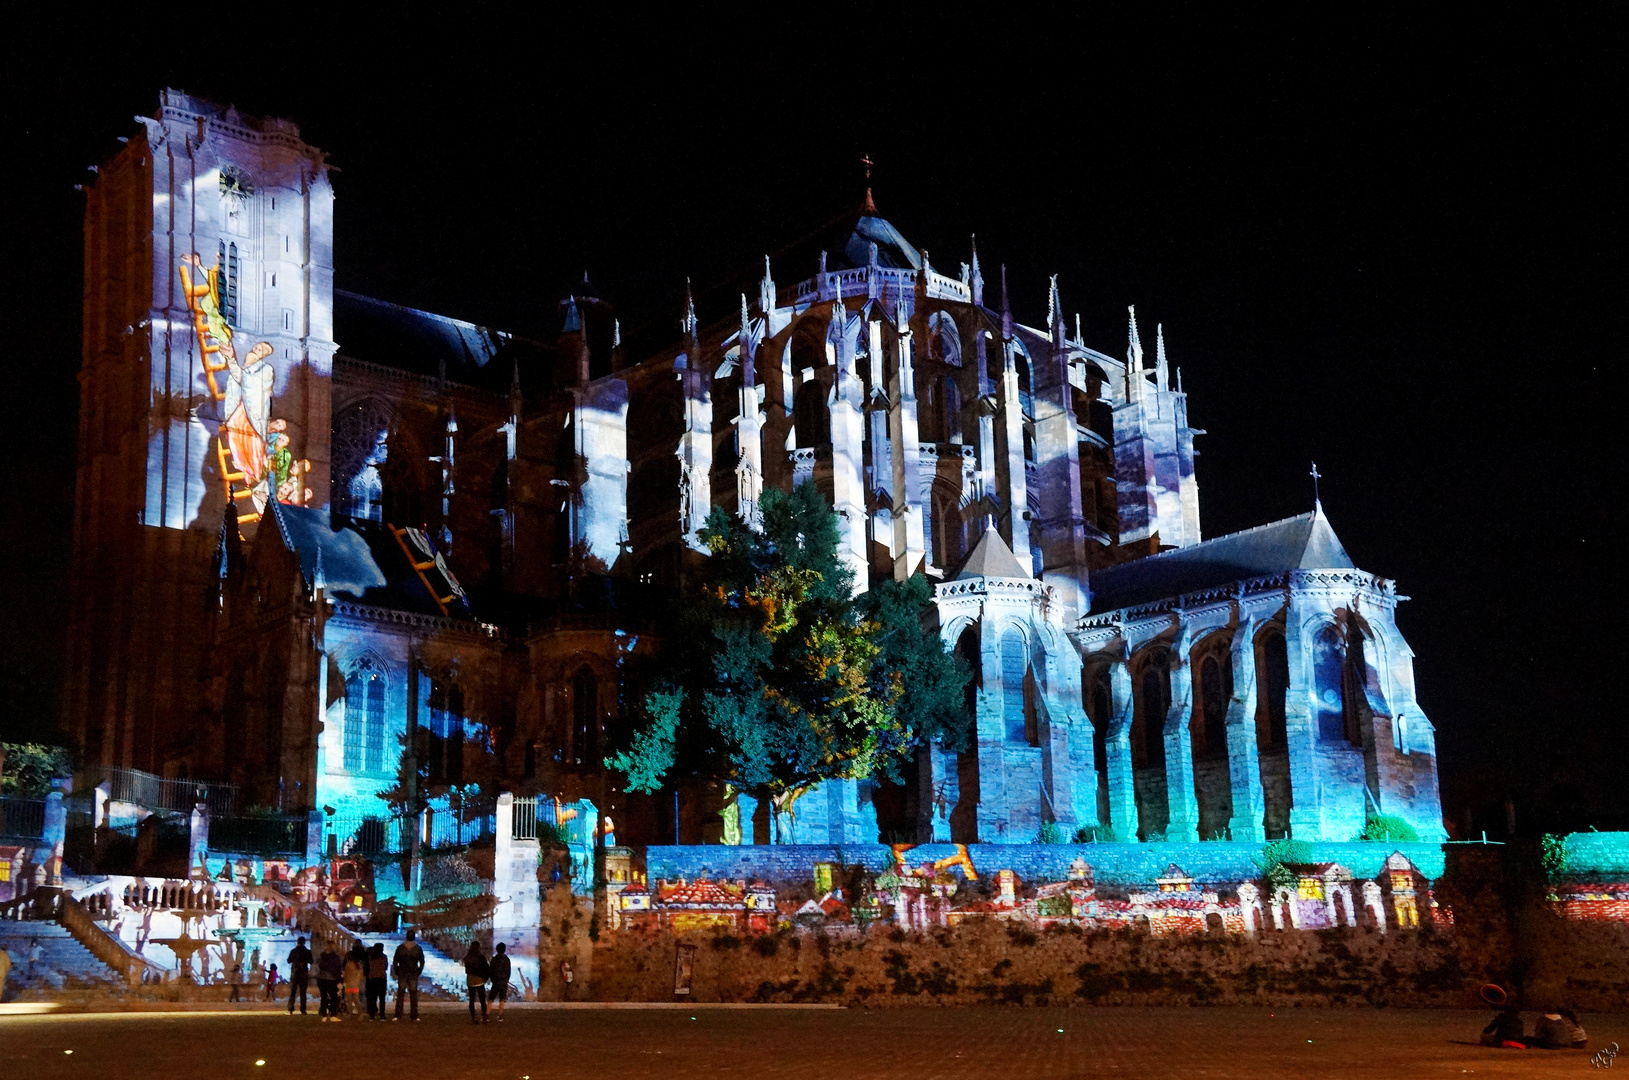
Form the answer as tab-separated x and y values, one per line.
210	350
416	552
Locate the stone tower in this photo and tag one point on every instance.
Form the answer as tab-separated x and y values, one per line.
204	393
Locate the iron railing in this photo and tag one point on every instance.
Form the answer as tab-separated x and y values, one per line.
525	821
22	819
169	793
278	835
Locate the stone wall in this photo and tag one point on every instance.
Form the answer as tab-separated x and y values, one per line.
1498	922
1219	863
990	962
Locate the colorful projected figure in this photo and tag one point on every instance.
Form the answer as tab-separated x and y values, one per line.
248	414
256	462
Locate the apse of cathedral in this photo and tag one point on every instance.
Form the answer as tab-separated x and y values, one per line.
311	522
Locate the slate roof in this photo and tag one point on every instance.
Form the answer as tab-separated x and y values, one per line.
993	558
1303	542
847	241
364	561
424	343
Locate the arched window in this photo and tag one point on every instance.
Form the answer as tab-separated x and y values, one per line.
944	341
810	414
585	708
1215	678
365	718
967	647
929	414
444	755
946	523
1153	703
1328	684
1102	706
1014	666
1360	678
1273	684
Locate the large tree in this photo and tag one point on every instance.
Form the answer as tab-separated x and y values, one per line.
773	678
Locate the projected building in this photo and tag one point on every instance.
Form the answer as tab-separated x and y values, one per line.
311	522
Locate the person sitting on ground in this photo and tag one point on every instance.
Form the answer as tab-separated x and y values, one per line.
1556	1031
476	971
1580	1037
1507	1030
499	969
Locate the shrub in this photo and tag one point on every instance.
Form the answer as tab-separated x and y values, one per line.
1388	829
1051	833
1276	856
1553	855
1094	834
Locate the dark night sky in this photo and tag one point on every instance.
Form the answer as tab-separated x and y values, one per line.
1386	244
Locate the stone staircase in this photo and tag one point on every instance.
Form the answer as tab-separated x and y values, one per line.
63	963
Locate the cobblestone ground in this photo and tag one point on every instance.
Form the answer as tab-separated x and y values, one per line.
919	1043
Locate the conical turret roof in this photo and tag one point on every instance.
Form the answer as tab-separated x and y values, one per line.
993	558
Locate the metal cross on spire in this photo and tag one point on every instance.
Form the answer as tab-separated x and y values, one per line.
1314	474
867	162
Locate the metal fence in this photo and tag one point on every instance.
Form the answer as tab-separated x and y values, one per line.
22	819
525	827
269	835
169	793
367	836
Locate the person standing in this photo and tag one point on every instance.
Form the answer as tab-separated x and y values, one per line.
476	972
356	973
407	965
35	952
499	970
378	974
330	970
234	978
271	982
299	975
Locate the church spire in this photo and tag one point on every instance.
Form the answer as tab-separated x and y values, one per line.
766	290
977	279
1054	314
1134	357
688	324
1162	371
1006	307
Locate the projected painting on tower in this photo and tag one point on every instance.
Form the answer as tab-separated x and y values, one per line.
252	447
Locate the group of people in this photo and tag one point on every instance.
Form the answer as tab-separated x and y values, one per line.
479	972
343	981
1558	1030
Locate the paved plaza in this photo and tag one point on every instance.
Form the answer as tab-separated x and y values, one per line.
552	1044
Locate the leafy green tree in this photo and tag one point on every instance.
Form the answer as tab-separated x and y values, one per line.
773	679
30	768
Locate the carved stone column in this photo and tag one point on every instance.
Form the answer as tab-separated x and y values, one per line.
1243	761
1122	784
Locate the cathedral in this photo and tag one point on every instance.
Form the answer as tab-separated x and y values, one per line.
313	528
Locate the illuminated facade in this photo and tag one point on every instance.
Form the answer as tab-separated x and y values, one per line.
467	541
